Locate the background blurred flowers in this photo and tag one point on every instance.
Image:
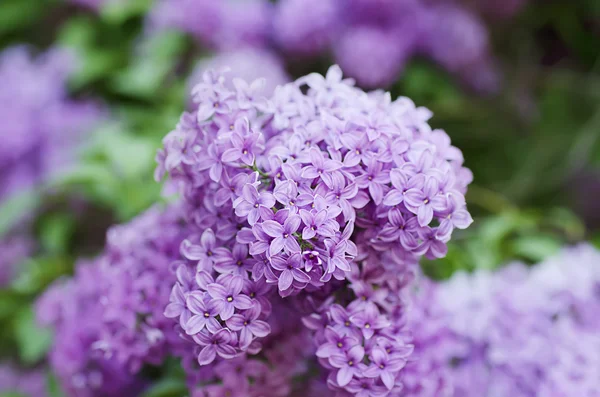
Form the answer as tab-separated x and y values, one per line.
89	88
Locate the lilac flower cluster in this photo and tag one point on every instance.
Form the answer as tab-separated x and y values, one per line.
224	25
40	123
73	308
517	332
361	334
248	64
285	355
372	40
322	193
15	380
15	249
40	127
109	318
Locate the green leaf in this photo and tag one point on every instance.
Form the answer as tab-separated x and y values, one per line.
11	302
148	71
17	14
168	387
119	11
38	272
16	208
129	156
536	247
96	62
54	388
596	240
33	342
77	32
484	255
55	233
11	394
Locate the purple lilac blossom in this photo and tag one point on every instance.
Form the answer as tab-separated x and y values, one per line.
15	249
285	354
322	193
109	318
456	39
225	25
374	57
373	39
305	27
519	331
73	308
22	382
40	123
248	64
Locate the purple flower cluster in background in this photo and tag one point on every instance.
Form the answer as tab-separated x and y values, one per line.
248	64
322	193
223	25
40	123
15	249
372	40
40	129
27	383
520	331
109	318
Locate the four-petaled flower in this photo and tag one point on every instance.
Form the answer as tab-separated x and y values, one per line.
283	235
383	366
317	222
456	216
220	343
245	145
369	320
320	167
228	297
250	202
402	182
337	343
206	253
348	364
375	179
204	313
423	202
236	261
290	271
399	228
248	325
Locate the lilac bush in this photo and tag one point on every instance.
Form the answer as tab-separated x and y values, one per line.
16	380
41	127
224	25
373	40
248	64
15	249
322	194
289	253
41	123
518	332
109	317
